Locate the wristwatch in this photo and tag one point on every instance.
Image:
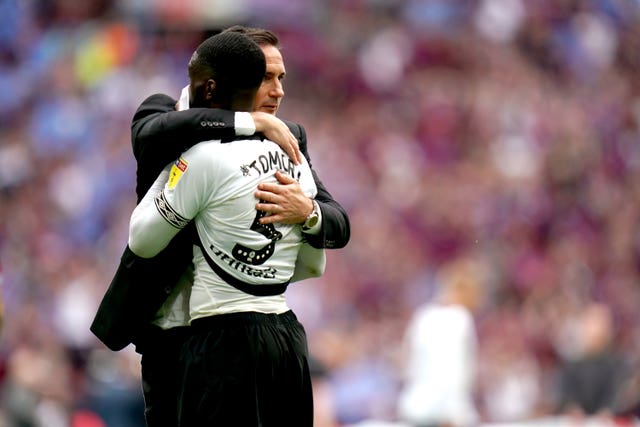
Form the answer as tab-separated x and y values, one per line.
313	217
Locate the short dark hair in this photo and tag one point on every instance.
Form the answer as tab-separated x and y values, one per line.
233	60
259	35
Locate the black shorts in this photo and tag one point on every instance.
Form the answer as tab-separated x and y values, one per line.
246	369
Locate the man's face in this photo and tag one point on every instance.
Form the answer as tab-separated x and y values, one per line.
271	92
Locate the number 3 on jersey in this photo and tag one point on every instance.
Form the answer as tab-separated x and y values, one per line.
258	256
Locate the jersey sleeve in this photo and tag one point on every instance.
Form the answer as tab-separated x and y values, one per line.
175	198
149	232
311	262
191	183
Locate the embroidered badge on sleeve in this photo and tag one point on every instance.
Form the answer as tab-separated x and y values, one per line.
178	168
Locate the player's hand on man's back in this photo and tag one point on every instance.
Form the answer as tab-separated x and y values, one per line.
284	201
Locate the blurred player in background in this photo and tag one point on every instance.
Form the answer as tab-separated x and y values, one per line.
441	348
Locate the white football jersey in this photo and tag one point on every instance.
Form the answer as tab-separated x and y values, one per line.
214	184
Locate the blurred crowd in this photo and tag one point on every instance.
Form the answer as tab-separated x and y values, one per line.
506	132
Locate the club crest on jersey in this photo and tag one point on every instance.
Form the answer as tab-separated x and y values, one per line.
177	169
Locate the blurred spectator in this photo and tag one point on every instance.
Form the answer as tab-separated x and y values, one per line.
112	388
508	373
323	410
1	301
38	389
591	380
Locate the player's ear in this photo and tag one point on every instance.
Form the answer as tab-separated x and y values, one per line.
209	89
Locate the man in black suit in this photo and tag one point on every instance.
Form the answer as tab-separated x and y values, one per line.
133	303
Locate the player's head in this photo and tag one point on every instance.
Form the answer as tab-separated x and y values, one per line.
271	91
225	71
462	282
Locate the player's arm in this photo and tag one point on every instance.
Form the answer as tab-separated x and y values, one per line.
175	198
149	230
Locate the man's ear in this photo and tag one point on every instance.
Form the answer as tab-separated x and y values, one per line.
209	89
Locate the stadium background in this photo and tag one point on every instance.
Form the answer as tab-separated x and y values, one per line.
500	130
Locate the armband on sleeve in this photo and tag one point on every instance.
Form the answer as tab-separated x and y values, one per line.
244	124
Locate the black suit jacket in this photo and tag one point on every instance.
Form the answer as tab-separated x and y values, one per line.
159	134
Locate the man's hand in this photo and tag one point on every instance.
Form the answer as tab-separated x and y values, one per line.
285	201
275	130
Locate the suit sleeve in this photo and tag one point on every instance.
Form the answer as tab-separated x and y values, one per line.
159	134
336	230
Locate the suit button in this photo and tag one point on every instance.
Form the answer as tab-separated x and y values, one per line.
203	123
167	290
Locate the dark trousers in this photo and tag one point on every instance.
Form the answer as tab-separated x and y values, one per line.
246	369
160	351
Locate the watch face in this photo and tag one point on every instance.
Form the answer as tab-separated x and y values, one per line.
312	221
